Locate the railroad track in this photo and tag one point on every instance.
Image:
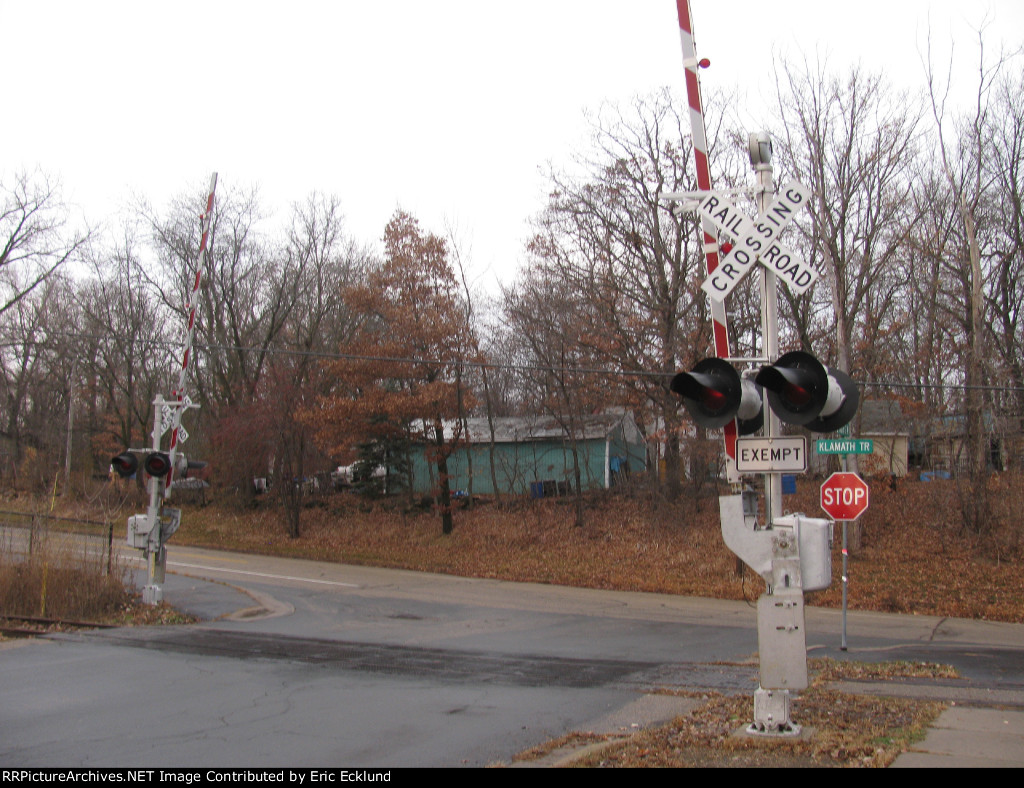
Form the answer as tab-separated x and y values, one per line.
33	626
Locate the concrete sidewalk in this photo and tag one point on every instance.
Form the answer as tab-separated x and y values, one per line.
969	738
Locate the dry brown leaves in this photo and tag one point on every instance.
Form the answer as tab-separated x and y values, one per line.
915	557
840	730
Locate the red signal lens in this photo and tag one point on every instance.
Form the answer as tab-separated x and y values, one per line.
713	399
158	464
124	464
797	396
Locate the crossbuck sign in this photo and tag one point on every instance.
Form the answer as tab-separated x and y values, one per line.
756	241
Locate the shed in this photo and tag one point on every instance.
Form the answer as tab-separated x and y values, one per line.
535	455
944	446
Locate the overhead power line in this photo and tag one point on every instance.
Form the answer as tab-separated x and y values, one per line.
475	364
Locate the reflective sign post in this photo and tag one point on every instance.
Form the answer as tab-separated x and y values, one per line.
845	497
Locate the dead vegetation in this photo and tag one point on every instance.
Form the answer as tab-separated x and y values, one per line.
51	578
915	555
915	558
840	730
55	580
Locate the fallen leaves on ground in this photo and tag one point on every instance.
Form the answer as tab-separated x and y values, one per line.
840	729
914	556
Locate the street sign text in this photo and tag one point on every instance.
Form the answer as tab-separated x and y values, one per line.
847	446
756	241
768	455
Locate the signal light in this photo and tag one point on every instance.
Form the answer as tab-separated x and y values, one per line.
182	465
715	394
156	463
126	464
803	391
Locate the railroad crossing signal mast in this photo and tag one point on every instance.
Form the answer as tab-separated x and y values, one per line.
793	553
149	532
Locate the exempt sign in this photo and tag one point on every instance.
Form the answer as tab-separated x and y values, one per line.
766	455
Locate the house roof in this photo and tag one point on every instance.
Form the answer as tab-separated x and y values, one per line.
882	416
956	424
523	429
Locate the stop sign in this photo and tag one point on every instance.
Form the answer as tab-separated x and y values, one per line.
844	496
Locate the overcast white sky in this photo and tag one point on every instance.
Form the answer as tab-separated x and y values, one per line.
445	108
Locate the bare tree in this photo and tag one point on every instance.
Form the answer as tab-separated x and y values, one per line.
37	353
321	262
36	236
853	141
607	236
932	341
963	152
1005	259
129	352
246	297
480	371
550	321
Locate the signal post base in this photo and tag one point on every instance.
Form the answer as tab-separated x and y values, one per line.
152	595
156	566
771	715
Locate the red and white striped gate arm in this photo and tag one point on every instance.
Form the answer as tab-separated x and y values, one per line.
179	394
700	152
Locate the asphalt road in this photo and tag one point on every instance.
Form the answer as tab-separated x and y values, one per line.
307	664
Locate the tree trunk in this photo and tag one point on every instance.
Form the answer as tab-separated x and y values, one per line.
975	501
579	486
490	429
673	467
289	479
444	485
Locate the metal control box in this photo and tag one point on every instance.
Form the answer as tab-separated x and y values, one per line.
814	537
139	527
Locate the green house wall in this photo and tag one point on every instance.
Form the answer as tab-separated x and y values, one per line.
518	465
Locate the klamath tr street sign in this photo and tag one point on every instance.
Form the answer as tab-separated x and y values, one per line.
845	446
